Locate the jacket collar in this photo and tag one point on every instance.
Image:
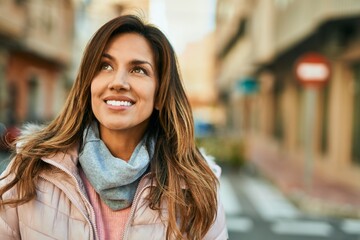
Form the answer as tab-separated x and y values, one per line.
68	160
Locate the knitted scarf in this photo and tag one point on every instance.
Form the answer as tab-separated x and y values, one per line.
114	179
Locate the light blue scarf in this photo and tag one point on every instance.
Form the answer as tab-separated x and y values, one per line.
114	179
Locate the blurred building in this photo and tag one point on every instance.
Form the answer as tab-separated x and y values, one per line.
258	44
35	46
197	67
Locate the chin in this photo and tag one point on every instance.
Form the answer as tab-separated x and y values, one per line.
114	127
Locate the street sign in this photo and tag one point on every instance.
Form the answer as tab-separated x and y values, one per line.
312	70
247	85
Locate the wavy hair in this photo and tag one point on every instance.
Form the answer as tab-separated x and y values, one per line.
176	162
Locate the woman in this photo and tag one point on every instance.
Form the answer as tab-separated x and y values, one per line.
119	162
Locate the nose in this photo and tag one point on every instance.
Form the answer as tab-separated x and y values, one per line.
120	81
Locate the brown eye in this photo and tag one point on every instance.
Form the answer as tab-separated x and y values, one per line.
106	67
139	70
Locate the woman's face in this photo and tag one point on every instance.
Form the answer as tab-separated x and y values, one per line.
123	91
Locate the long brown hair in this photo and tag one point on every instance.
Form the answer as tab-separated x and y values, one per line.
176	162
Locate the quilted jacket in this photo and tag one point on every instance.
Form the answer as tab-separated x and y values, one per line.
61	209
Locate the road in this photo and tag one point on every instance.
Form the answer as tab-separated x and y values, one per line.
256	210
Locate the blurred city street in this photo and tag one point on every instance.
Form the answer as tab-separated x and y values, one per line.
257	210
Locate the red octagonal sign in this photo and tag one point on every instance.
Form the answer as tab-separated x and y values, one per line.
312	70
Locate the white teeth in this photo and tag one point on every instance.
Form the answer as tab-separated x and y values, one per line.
118	103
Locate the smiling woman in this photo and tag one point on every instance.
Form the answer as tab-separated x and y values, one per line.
120	161
123	92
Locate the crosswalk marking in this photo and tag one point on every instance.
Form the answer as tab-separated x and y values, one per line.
239	224
351	226
282	217
269	202
230	201
303	228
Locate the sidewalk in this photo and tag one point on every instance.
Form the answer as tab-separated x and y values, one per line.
334	196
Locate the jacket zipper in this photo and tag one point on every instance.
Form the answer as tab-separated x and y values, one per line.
133	206
81	193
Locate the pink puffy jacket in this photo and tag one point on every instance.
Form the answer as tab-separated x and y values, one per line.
61	209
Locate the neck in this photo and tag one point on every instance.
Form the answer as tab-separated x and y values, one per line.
120	145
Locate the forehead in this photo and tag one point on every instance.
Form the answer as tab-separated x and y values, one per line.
132	44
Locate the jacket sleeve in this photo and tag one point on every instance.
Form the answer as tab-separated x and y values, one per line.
218	230
9	224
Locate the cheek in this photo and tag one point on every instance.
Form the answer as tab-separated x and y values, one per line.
94	86
95	90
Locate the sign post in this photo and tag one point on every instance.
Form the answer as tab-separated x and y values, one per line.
313	72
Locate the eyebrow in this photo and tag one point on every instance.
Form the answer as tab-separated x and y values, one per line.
133	62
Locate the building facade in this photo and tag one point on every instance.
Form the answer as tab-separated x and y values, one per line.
35	48
259	45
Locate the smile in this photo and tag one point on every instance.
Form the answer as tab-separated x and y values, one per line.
119	103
